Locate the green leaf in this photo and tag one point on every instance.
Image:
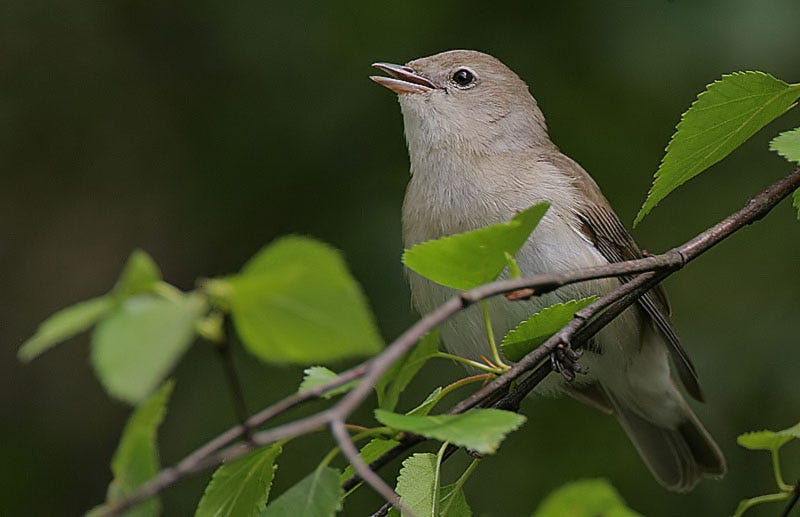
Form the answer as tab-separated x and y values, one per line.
138	343
481	430
136	458
317	495
139	275
319	375
585	498
373	450
768	440
296	302
470	259
723	117
453	502
397	379
416	486
762	440
241	487
793	431
65	324
428	404
539	327
788	145
796	202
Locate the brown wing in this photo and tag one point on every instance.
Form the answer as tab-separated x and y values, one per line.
601	226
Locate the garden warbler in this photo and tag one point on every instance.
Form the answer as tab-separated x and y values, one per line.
480	153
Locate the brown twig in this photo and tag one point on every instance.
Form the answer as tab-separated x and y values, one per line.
372	370
363	470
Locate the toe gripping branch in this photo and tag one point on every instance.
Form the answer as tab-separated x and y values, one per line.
564	360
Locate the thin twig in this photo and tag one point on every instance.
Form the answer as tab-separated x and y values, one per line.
342	438
204	456
240	406
372	370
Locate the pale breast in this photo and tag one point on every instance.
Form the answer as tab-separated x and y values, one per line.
456	195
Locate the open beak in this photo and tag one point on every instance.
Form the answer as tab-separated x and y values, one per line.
402	79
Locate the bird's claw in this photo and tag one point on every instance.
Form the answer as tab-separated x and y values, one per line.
564	360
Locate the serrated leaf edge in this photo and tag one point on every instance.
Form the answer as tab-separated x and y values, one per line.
644	210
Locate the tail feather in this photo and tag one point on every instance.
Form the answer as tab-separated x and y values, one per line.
679	457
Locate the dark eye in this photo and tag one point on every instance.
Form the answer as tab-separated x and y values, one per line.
463	77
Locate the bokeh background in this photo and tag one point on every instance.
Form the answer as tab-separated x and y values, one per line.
201	130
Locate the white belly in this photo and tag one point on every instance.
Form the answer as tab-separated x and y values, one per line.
552	247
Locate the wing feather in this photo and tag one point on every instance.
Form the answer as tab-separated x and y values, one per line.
598	223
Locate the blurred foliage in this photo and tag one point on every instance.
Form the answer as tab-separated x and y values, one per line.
200	131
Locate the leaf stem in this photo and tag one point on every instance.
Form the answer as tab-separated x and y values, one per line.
467	473
487	321
366	433
776	471
463	382
455	385
513	267
329	457
468	362
437	474
767	498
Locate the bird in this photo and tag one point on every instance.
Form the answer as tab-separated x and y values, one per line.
479	153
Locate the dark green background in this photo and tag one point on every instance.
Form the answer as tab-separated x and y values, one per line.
201	130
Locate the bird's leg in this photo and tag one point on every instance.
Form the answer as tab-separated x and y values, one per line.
564	360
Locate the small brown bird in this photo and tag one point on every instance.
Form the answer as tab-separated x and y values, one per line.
480	153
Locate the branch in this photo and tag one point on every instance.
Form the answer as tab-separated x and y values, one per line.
367	474
657	268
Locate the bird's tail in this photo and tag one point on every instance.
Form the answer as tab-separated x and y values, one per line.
680	454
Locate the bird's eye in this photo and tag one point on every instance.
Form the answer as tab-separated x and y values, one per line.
463	77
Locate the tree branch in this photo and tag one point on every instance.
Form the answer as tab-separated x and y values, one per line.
656	268
367	474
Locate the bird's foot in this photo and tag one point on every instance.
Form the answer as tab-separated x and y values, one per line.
564	360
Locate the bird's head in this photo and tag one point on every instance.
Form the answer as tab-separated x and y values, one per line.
464	100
